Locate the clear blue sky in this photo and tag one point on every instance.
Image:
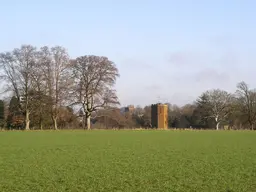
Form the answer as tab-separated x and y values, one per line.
165	50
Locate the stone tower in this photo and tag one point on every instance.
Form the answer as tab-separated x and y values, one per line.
159	116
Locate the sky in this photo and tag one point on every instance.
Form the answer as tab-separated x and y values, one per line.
165	50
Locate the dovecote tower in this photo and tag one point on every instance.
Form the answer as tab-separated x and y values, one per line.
159	116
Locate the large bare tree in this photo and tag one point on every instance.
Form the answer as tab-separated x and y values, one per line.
217	104
41	101
56	70
247	102
94	78
17	68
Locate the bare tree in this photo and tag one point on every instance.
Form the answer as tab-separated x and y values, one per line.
56	70
247	102
17	69
95	77
217	105
41	101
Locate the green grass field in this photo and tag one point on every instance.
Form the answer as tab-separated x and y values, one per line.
128	161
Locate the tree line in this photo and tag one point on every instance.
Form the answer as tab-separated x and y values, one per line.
213	109
47	89
47	85
218	109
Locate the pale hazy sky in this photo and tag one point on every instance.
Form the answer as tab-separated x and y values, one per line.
167	51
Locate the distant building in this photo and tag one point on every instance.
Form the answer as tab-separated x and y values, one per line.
129	108
159	116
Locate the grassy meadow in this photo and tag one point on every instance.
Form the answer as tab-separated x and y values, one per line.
128	161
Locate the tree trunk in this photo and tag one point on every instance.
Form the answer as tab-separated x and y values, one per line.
217	122
55	123
41	123
217	126
252	126
105	121
27	121
88	121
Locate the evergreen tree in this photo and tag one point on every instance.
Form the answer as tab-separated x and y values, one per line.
1	114
15	119
1	110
